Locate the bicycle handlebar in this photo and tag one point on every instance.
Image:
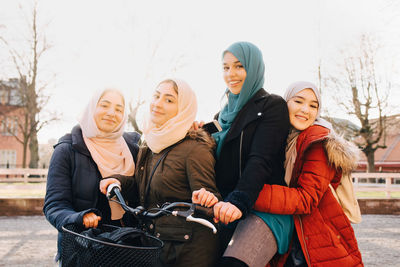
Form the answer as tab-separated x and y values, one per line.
115	190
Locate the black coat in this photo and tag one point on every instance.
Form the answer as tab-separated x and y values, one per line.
262	126
72	188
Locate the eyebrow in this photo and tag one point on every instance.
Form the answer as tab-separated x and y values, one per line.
170	95
109	102
233	62
304	99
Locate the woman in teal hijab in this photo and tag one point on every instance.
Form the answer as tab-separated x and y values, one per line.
250	153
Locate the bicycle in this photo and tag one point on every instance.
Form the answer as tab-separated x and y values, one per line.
109	245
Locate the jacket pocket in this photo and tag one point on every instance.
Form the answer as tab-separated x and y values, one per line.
173	233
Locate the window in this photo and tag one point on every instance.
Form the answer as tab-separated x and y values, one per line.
3	96
8	158
9	126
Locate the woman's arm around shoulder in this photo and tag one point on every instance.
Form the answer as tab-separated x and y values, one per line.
312	184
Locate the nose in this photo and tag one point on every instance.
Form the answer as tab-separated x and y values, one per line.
111	112
304	109
231	72
157	102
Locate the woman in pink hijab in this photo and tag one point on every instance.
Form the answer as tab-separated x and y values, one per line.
96	148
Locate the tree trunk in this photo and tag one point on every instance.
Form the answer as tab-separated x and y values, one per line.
371	161
34	150
24	147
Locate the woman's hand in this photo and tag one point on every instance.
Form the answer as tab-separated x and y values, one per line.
91	220
225	212
204	198
197	125
106	182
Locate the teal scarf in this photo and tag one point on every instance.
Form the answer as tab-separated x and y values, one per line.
251	58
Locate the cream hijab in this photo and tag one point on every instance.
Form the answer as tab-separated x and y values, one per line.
175	129
291	152
109	150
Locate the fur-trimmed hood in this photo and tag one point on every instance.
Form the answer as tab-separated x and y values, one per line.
202	136
341	153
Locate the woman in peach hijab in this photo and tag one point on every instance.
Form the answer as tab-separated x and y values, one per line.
185	163
96	148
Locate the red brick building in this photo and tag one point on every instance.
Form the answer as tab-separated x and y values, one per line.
11	151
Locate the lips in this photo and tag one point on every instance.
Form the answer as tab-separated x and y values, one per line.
301	117
157	113
233	83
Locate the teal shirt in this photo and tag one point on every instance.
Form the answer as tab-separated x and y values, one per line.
281	226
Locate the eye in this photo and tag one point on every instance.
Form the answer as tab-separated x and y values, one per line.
156	96
239	66
314	106
169	100
298	101
225	68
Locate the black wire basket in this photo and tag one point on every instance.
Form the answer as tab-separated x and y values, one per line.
80	249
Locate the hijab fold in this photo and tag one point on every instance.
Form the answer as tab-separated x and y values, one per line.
109	151
291	152
251	58
176	128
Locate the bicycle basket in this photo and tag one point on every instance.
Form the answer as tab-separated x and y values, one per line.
98	247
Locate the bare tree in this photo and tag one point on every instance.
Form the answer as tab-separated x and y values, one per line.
361	88
31	92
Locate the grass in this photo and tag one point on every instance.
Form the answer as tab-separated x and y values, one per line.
376	194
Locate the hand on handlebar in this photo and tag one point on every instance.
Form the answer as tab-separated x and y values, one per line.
91	220
104	183
226	212
204	198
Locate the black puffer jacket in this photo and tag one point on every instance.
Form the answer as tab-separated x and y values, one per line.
254	150
73	181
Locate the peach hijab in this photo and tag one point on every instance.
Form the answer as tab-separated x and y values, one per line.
109	150
175	129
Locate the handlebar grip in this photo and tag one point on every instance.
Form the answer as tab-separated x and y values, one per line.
112	190
209	212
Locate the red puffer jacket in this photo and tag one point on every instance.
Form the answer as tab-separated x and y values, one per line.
325	233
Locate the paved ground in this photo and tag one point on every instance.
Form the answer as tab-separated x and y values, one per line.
31	241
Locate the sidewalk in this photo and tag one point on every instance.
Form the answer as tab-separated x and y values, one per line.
31	240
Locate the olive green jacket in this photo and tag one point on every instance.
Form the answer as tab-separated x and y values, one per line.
188	166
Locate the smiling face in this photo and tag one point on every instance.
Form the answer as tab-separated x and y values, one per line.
234	73
303	109
109	111
164	105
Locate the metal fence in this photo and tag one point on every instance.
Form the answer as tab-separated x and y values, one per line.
23	175
363	182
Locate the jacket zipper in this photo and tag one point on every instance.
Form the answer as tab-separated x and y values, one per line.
304	241
240	155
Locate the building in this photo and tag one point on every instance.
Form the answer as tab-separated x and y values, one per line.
11	114
387	159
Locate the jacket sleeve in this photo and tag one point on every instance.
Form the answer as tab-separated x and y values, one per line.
58	205
265	154
312	184
200	171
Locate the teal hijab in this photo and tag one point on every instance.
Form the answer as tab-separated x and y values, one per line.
251	58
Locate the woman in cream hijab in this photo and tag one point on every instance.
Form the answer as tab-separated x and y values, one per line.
186	164
96	148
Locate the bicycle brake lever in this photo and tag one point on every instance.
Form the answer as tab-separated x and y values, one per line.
204	222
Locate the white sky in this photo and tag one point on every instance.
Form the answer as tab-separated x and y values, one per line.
98	44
